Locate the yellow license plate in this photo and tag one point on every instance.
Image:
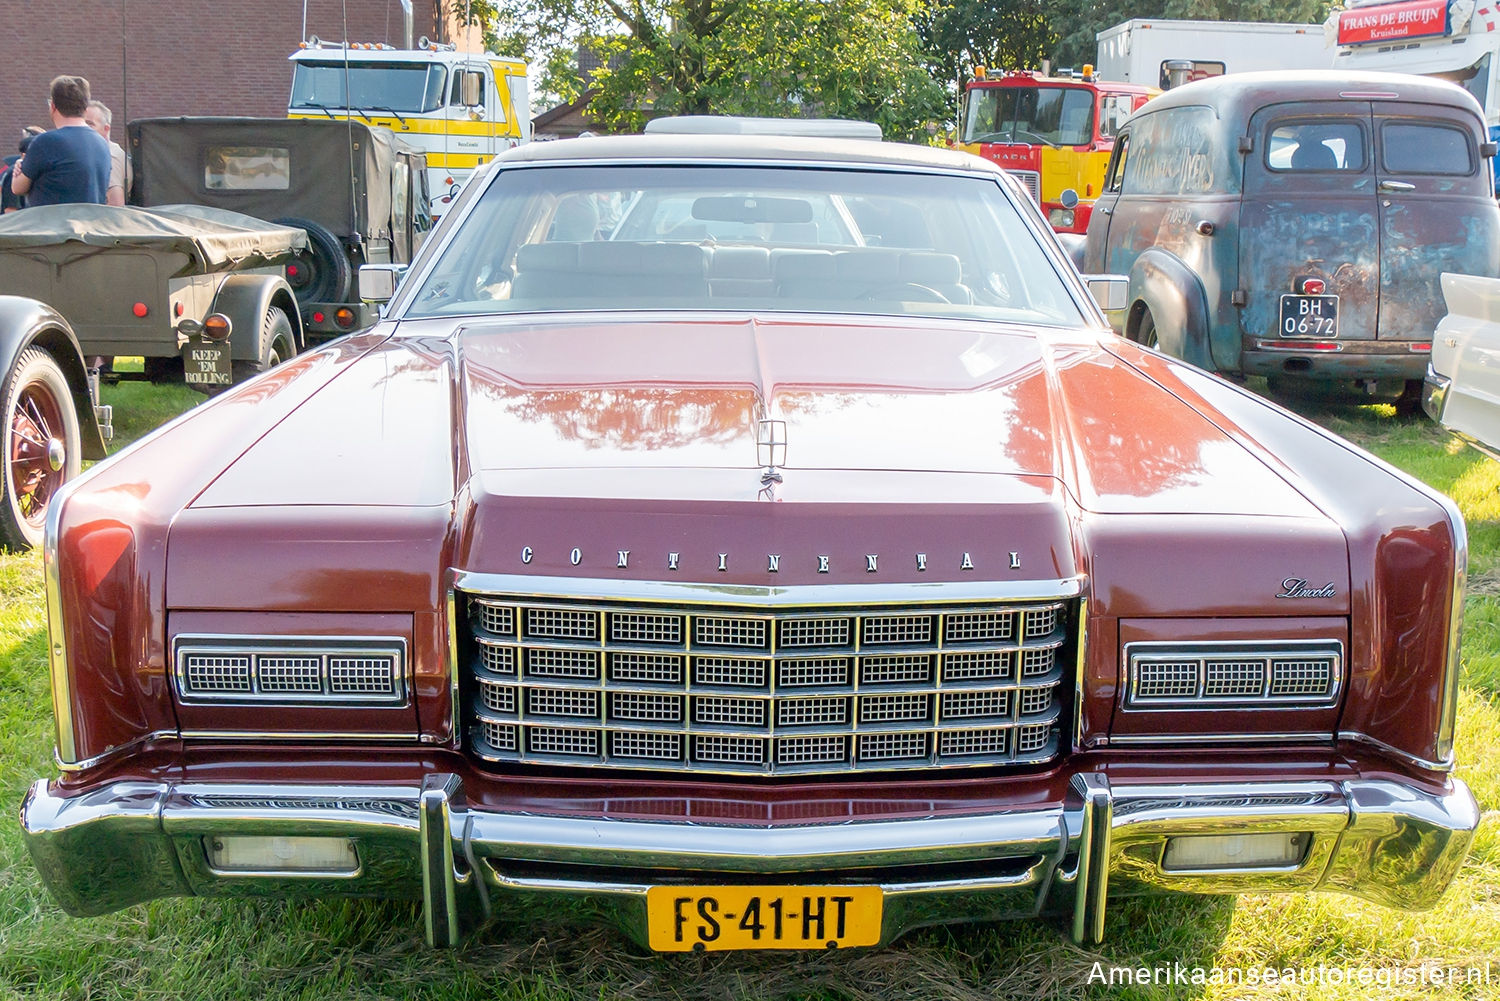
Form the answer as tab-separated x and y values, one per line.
715	918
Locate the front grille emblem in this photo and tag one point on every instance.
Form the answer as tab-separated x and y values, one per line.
770	449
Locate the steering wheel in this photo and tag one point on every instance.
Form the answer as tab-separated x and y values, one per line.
894	292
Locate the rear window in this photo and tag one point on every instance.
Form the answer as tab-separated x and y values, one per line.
242	168
1425	148
1321	145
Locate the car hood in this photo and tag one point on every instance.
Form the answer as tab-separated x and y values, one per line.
915	450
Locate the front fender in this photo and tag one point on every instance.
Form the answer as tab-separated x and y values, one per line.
244	298
24	322
1170	289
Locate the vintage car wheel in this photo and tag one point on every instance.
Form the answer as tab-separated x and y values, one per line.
275	345
41	445
321	273
1146	333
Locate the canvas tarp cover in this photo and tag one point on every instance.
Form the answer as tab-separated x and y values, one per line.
213	239
327	159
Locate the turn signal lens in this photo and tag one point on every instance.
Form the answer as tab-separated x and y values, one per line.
344	317
294	854
177	309
139	309
1237	851
216	327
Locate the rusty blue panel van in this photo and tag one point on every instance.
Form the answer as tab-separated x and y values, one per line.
1294	224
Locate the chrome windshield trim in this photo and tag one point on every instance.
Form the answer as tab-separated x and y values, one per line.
757	596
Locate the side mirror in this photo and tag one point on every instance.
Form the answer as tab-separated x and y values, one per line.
1111	292
377	282
471	88
1489	149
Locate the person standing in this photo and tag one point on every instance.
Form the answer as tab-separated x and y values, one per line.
98	117
70	163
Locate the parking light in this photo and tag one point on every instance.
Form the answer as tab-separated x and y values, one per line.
344	317
139	309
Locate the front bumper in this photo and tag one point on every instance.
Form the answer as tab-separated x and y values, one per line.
128	842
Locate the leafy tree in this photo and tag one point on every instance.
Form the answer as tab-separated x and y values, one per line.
959	35
840	58
1080	21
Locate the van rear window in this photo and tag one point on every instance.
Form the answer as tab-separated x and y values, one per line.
1422	148
1321	145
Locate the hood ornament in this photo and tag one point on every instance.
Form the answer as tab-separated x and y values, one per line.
770	449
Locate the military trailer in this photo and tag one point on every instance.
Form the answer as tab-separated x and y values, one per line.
198	293
360	193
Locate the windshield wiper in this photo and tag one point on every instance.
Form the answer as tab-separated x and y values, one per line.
321	107
389	111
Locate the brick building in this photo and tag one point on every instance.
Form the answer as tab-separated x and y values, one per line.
178	57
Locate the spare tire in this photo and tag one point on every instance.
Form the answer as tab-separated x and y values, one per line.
320	273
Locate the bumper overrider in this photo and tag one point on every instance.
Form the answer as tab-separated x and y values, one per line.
127	842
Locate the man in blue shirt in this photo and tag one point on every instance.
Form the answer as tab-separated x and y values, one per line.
70	163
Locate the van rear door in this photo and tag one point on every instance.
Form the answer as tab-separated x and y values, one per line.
1437	212
1309	211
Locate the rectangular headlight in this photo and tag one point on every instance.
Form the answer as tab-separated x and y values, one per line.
291	670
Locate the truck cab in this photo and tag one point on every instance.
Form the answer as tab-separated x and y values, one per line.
1054	134
462	109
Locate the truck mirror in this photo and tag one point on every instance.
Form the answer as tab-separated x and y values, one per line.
471	88
377	282
1489	149
1109	291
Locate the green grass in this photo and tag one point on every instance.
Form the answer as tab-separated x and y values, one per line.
206	949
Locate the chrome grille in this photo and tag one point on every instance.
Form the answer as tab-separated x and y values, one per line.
207	672
1234	674
290	670
1290	677
1031	181
732	689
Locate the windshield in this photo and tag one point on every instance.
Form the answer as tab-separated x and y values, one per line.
758	238
1047	115
389	87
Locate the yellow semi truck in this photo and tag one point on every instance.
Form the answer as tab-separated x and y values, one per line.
461	108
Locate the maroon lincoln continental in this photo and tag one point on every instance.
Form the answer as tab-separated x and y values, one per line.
766	542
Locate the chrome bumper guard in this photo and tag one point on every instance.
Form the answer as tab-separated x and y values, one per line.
129	842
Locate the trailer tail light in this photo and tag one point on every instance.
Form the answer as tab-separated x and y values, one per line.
216	327
177	309
1311	286
344	317
139	309
318	316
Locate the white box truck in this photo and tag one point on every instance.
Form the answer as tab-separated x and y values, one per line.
1138	50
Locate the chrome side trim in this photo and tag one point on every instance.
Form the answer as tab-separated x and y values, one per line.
1452	668
57	642
1079	671
455	721
1158	739
113	752
768	596
1446	765
409	737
